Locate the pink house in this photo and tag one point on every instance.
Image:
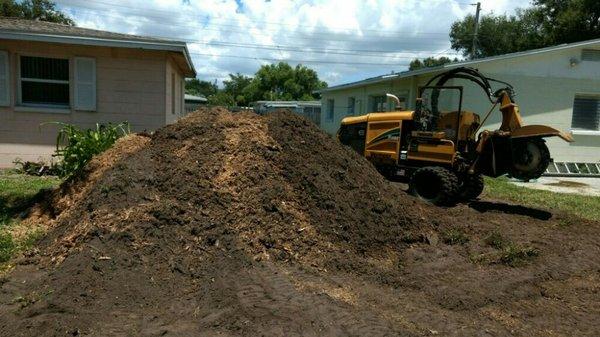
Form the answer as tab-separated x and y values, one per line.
52	72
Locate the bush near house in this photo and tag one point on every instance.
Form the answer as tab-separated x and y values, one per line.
75	146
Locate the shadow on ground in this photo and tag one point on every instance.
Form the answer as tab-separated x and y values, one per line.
488	206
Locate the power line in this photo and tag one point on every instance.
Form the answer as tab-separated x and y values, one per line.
301	61
171	13
301	49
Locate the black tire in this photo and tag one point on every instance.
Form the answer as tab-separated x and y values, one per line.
531	158
434	184
471	187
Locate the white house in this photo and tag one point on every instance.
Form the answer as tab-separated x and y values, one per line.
557	86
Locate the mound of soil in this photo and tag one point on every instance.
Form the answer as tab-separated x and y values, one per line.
234	224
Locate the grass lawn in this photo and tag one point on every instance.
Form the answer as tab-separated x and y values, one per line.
585	206
17	192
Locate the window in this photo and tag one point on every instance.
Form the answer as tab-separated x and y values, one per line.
351	105
44	81
378	103
590	55
330	111
4	79
586	112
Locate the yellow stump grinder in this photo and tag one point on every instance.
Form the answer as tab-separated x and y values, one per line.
439	149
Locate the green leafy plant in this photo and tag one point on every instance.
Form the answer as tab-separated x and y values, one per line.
75	146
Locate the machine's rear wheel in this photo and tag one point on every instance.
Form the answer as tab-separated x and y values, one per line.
531	158
434	184
471	187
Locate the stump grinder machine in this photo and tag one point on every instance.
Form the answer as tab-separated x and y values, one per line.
439	149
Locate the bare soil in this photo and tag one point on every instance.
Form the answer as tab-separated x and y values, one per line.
234	224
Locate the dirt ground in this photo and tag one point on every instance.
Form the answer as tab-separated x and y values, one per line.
243	225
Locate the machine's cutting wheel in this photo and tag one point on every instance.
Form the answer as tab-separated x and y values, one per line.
434	184
471	187
531	158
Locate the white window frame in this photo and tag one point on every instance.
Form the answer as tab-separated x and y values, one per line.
584	132
46	107
7	79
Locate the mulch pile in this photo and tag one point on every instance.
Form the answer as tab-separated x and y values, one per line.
234	224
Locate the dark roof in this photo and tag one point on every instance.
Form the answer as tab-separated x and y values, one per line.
51	28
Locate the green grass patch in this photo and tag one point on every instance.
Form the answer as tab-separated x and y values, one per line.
454	237
587	207
507	253
17	193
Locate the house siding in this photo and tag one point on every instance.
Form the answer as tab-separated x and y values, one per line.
130	86
546	85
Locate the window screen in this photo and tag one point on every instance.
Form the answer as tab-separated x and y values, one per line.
351	105
590	55
379	104
586	112
44	81
330	112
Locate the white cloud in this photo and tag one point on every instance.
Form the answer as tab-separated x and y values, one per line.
340	32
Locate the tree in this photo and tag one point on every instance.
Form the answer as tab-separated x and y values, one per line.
283	82
42	10
548	22
566	21
197	87
221	98
429	62
235	87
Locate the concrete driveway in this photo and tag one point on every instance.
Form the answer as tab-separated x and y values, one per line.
583	186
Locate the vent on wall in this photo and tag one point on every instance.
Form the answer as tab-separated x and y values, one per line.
590	55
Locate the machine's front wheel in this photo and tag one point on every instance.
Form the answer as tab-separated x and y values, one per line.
531	158
434	184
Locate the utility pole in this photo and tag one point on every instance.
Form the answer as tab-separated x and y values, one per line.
476	30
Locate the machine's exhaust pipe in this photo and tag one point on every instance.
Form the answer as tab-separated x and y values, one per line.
395	98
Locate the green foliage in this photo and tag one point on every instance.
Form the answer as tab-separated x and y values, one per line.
75	146
515	256
510	253
7	246
548	22
17	193
454	237
430	62
197	87
222	99
272	82
496	240
280	82
42	10
235	88
36	168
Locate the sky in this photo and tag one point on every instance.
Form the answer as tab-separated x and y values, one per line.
343	40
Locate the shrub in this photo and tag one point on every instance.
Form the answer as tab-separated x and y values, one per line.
75	146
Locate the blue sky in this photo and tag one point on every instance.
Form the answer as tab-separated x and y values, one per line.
343	40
